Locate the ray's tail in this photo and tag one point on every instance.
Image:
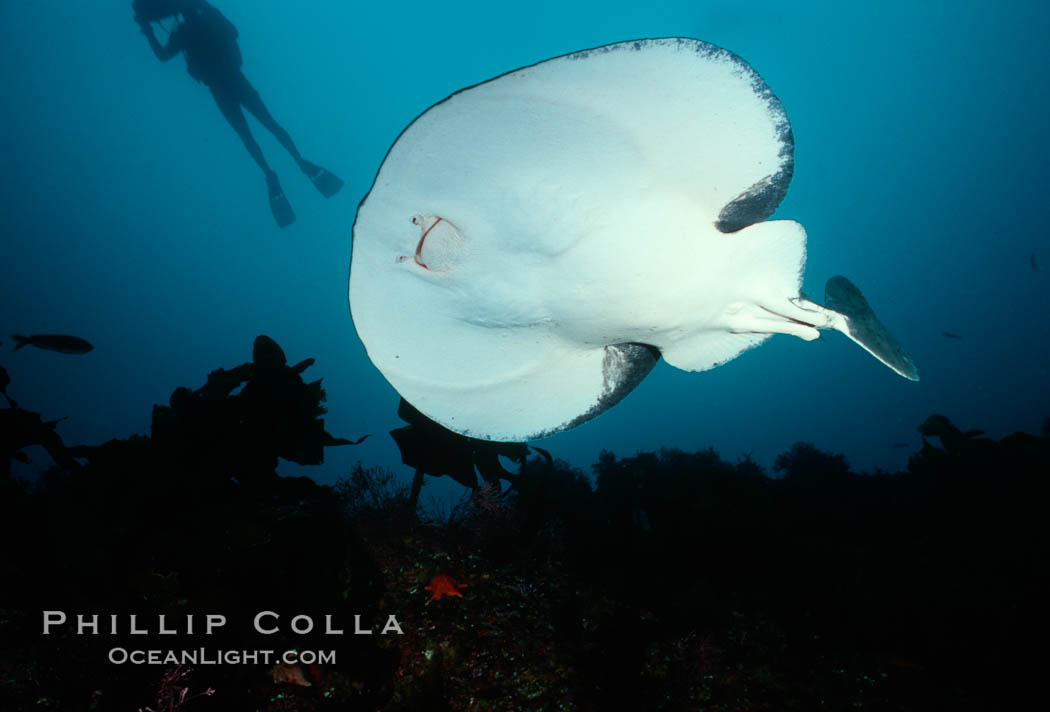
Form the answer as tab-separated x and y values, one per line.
861	325
845	309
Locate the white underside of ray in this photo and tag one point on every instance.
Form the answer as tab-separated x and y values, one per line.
521	226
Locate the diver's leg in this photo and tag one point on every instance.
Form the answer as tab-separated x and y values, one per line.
251	100
325	181
231	109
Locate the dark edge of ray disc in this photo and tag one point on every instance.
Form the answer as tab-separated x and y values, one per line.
624	366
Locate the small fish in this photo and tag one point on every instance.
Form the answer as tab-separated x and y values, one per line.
950	335
1031	261
54	342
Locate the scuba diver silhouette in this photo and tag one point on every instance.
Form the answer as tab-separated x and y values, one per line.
209	41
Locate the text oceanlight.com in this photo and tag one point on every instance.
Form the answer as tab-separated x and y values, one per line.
202	656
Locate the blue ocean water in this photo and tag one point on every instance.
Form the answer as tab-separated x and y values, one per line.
133	217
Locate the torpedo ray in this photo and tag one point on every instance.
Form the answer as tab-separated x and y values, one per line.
534	244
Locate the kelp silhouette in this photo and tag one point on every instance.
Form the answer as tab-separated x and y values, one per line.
21	429
5	381
432	449
275	414
952	438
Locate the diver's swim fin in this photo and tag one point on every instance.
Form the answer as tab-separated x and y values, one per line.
326	182
279	205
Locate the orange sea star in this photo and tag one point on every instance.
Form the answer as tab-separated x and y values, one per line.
444	585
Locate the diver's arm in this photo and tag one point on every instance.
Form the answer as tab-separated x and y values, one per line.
164	53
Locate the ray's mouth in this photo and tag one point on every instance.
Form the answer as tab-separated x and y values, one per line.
444	248
421	221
